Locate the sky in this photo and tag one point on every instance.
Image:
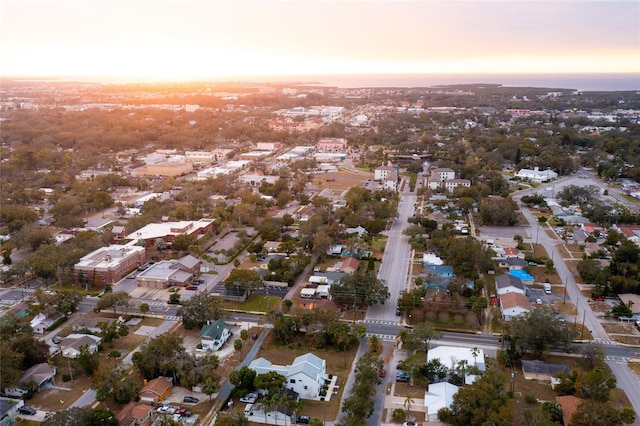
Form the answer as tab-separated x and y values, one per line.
194	39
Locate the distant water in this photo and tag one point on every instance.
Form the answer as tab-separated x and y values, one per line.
582	82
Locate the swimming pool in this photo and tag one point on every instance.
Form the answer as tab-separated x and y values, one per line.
523	275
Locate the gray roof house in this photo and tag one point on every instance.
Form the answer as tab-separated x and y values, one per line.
306	375
507	283
41	374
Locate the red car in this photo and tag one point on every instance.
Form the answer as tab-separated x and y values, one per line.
192	287
382	373
600	298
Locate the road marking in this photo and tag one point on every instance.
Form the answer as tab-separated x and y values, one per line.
171	318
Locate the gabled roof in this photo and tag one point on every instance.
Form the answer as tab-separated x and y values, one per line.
214	330
440	395
508	280
39	373
515	261
569	405
545	368
156	386
513	300
189	261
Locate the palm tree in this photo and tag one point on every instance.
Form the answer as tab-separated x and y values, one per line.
408	401
474	353
375	346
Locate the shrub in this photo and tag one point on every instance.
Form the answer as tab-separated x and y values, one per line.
530	399
114	354
237	344
66	377
199	346
398	415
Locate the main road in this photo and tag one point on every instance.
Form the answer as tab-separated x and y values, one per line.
626	378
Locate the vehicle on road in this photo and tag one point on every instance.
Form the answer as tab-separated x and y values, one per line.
56	340
382	373
30	411
409	424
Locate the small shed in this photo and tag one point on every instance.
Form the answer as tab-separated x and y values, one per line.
308	293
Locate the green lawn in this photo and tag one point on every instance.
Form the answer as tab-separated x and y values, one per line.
259	303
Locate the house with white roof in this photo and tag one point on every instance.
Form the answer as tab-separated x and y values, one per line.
439	395
450	356
306	375
168	231
536	175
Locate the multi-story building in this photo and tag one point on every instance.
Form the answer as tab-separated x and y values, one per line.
332	145
109	264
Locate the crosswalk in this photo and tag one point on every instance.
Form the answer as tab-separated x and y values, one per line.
385	337
605	342
386	322
172	318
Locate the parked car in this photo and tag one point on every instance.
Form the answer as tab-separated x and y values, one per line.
131	277
250	398
303	420
198	281
398	312
190	400
192	287
409	424
56	340
382	373
27	410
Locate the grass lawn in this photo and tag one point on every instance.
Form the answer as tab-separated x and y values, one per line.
256	303
378	243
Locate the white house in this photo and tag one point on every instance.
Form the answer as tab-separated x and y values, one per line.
439	395
438	176
536	175
40	374
450	356
213	336
507	283
306	375
73	344
513	305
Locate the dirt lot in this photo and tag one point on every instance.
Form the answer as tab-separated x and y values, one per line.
341	180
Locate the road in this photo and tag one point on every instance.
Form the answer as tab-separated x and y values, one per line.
395	260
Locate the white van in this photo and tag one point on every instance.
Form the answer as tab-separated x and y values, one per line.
547	288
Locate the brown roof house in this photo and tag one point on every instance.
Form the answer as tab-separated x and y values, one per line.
514	304
349	265
569	405
134	414
40	375
156	390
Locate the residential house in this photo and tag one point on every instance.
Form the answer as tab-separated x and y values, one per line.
41	322
439	395
349	265
134	414
306	375
360	231
272	246
569	405
156	390
632	301
118	232
41	374
507	283
387	176
540	370
451	356
213	336
513	263
91	324
513	305
72	344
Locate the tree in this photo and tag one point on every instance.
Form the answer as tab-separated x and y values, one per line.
486	401
113	300
358	406
360	289
596	384
225	418
144	308
497	211
242	379
591	413
272	382
159	355
200	309
88	360
245	279
538	330
375	345
420	337
408	402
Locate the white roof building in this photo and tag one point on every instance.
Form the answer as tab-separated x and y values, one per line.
306	375
450	356
537	175
440	395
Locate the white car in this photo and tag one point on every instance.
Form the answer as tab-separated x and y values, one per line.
539	301
250	398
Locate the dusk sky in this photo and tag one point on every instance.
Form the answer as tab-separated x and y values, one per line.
191	39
